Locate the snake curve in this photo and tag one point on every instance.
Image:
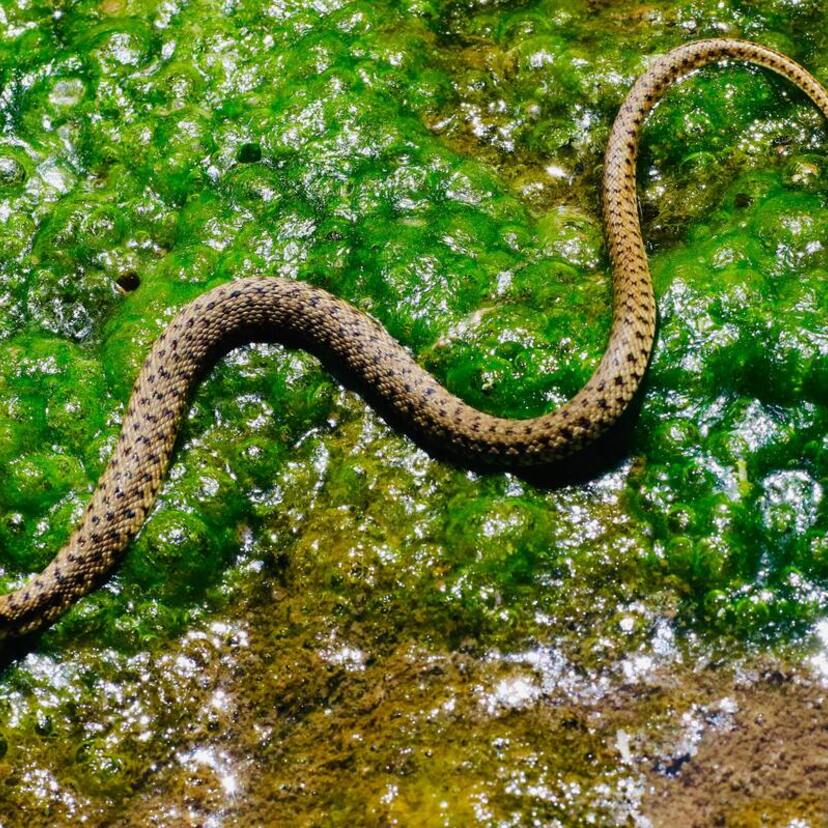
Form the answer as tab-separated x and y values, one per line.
237	310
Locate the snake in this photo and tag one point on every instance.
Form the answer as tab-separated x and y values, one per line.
295	311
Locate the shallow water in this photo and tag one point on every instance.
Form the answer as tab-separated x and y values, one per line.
321	623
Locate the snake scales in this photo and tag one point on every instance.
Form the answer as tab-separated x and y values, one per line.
240	310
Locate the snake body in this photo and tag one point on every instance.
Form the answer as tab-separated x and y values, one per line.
243	309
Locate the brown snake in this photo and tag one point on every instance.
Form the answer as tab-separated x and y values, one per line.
243	309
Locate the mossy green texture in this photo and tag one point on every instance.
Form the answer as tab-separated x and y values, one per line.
437	164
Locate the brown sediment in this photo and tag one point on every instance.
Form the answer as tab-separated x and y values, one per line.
768	765
419	737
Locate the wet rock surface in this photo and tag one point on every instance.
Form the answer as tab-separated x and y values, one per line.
320	622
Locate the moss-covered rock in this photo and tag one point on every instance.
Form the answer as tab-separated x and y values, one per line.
319	621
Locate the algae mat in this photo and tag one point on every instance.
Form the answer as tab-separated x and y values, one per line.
320	623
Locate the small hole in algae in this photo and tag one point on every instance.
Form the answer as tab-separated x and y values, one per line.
128	282
742	200
249	154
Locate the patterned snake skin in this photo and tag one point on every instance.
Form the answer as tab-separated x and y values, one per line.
242	310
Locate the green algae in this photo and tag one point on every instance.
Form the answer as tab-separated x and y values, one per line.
437	164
